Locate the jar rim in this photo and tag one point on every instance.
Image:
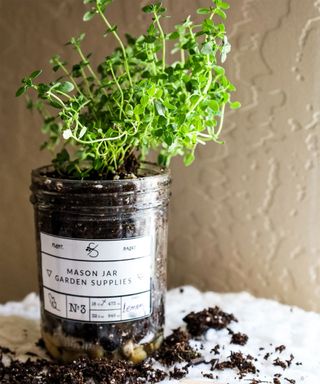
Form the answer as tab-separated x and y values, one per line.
154	172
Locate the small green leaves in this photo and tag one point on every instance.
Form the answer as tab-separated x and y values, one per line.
82	132
76	41
148	8
28	82
203	11
207	26
111	29
135	101
154	8
188	159
221	13
101	5
35	74
160	108
89	15
64	87
21	91
221	4
207	48
139	109
235	105
225	49
174	35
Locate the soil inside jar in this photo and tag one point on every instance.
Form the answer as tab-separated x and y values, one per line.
81	215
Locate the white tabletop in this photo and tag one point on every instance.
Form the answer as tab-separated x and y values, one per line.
267	323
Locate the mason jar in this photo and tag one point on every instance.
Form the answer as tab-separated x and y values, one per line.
102	247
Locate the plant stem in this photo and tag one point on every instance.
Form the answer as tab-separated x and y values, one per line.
163	41
57	98
119	41
221	121
182	56
97	140
120	90
85	60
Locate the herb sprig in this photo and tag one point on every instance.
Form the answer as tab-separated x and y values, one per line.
136	101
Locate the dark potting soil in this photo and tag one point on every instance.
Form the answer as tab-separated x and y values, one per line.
128	170
175	349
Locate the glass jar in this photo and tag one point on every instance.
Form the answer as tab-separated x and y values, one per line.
102	248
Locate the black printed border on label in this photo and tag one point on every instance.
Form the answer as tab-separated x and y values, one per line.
102	240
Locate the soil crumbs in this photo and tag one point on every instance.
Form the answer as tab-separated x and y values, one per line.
176	356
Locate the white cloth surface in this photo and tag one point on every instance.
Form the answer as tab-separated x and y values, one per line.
267	323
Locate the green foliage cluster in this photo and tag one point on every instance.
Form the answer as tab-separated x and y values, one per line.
135	101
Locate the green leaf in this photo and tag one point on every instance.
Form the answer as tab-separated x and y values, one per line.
148	8
225	49
220	13
139	109
214	105
63	156
144	100
154	8
203	11
152	29
35	74
150	39
219	70
235	105
21	91
168	105
82	132
174	35
168	139
88	15
224	5
207	49
88	1
208	25
66	87
160	108
152	90
103	3
188	159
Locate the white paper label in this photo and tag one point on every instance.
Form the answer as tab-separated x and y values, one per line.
97	280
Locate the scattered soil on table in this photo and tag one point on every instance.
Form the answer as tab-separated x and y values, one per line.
239	338
236	361
175	349
198	323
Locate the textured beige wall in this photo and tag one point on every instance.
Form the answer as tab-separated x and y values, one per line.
246	215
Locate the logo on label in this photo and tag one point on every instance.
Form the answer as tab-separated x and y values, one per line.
92	250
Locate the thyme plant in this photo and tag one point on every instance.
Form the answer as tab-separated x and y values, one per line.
138	99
